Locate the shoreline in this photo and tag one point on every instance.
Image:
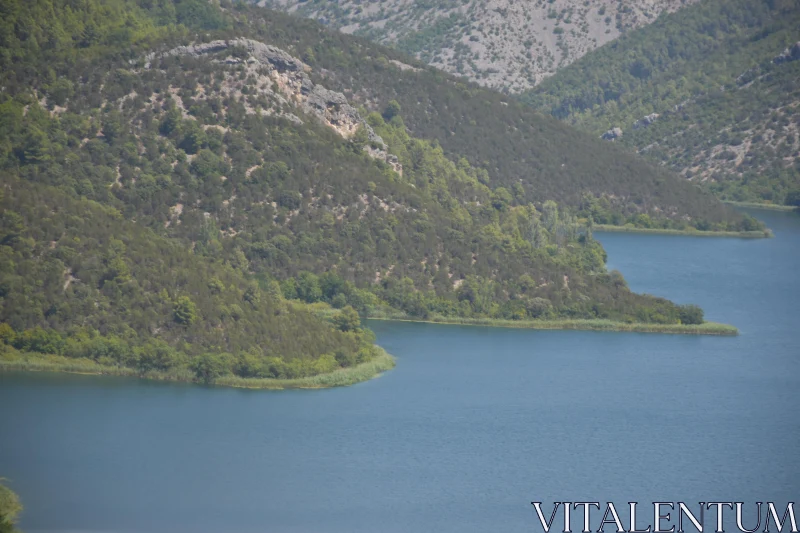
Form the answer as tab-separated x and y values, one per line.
343	377
758	205
707	328
690	232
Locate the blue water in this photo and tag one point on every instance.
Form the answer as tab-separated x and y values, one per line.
472	425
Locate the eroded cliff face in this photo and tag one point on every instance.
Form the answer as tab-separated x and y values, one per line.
284	81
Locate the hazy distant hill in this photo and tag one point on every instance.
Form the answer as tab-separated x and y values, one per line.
503	44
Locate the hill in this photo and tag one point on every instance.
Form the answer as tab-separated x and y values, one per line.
709	92
179	199
536	157
519	148
504	45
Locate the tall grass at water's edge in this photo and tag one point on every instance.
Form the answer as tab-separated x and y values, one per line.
338	378
707	328
767	233
757	205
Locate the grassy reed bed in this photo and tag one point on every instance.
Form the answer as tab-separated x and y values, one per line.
757	205
339	378
691	232
708	328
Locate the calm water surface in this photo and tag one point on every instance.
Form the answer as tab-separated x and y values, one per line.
472	425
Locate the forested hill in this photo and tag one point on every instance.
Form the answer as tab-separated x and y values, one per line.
519	148
182	191
710	91
536	157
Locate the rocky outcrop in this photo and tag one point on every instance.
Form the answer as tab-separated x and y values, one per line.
790	54
645	121
612	135
291	77
332	107
261	52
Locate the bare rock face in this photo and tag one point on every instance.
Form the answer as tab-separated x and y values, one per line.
790	54
612	135
645	121
332	107
259	51
291	77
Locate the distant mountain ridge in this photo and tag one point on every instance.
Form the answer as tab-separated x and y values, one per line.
710	91
502	44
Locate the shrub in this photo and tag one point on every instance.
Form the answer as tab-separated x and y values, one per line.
690	314
184	311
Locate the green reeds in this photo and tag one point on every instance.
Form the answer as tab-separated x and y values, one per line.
338	378
707	328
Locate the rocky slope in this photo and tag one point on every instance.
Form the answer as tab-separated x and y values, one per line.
501	44
710	91
282	80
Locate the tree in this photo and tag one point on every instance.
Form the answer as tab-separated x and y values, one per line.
750	224
617	279
690	314
501	199
290	199
184	311
347	319
252	294
339	301
392	110
11	227
35	147
550	215
208	367
274	290
194	139
157	355
206	164
331	285
10	507
539	307
113	128
308	288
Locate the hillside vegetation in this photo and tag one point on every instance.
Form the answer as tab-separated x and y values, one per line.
710	91
533	156
216	208
505	45
520	149
10	507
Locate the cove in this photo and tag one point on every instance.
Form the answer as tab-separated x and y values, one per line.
472	425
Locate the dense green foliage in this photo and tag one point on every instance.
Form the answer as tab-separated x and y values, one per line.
10	507
77	279
183	217
81	279
727	110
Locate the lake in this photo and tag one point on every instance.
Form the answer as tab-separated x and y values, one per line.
472	425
